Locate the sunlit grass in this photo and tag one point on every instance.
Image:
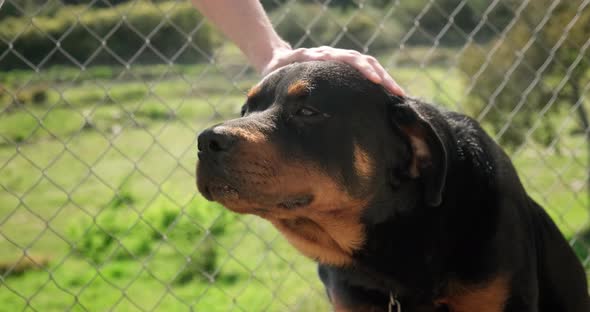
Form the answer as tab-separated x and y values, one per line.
65	160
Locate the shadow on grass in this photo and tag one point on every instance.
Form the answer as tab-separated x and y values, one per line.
581	246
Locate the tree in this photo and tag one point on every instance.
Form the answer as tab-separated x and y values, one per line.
434	16
270	5
539	66
94	3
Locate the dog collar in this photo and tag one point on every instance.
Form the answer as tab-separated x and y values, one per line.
394	305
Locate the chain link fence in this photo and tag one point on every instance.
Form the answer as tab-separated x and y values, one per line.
101	101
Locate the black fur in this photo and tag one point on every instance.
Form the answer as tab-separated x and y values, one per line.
465	218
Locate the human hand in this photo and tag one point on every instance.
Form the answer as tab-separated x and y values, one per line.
366	64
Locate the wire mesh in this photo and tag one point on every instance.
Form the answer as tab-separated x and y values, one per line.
98	208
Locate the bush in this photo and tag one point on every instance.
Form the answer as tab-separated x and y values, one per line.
270	5
514	78
360	30
9	10
123	28
433	16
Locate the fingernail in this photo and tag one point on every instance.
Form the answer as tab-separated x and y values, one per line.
396	89
400	91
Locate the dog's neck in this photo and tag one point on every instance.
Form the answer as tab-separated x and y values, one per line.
398	248
410	248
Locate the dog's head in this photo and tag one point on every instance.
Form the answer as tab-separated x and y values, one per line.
317	145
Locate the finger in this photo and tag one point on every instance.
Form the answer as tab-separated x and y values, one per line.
302	55
393	87
362	64
369	71
284	59
386	80
378	68
367	65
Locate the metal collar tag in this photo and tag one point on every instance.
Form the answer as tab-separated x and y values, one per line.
394	305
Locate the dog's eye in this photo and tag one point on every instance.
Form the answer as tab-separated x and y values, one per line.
306	112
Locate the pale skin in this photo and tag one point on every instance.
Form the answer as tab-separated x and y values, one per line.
246	24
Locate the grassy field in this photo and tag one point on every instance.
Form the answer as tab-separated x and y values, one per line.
97	178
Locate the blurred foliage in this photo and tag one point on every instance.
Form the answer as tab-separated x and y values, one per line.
270	5
33	94
111	236
10	100
94	3
81	25
310	25
523	71
29	8
15	8
108	36
423	21
433	20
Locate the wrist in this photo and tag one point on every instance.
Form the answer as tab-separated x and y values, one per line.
276	50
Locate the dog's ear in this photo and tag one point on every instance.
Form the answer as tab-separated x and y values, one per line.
429	159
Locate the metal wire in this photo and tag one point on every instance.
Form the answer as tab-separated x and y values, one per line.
22	206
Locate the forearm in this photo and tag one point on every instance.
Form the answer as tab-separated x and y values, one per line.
245	23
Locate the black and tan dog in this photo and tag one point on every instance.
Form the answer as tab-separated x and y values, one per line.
399	202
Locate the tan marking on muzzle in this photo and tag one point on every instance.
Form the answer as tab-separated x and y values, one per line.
248	135
328	229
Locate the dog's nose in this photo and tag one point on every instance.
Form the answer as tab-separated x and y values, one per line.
214	140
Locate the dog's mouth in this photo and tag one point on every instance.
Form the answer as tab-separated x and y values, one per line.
216	192
309	208
252	200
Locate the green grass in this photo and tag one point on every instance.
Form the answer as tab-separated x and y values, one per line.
81	154
281	278
79	150
149	167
